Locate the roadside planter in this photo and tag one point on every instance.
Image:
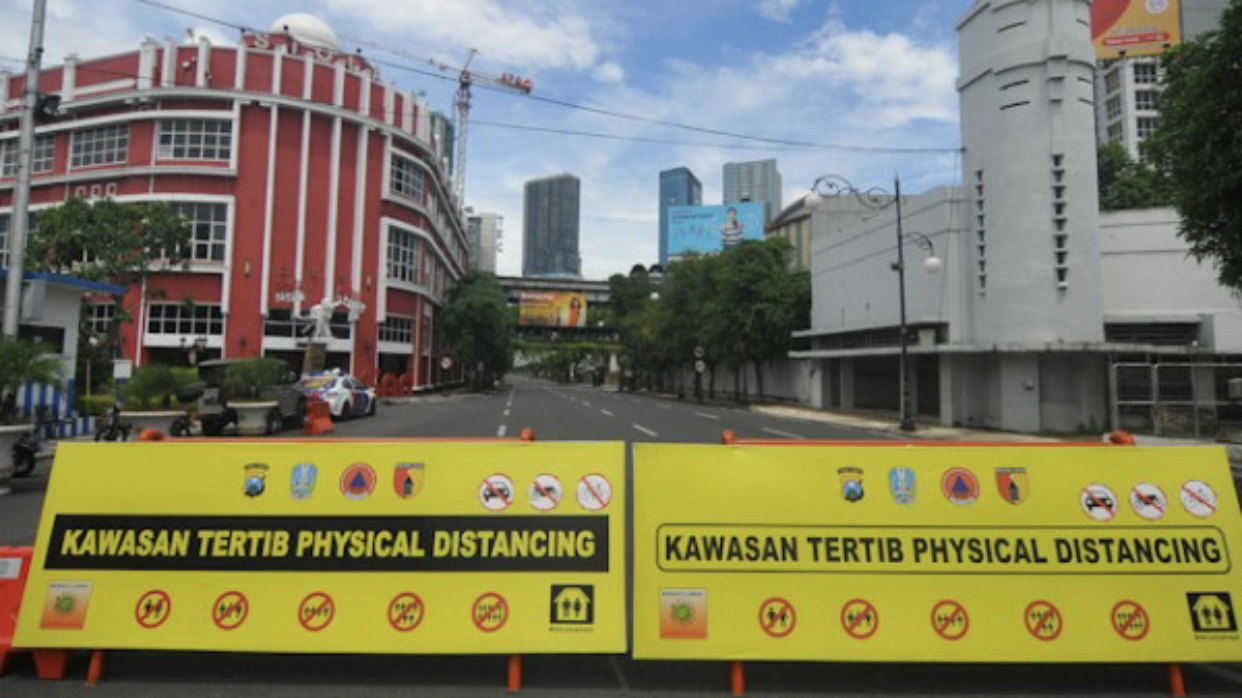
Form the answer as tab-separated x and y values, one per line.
9	436
257	418
161	420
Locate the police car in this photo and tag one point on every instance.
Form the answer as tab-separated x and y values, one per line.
346	397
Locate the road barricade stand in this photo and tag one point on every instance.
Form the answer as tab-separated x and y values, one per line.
504	547
935	552
318	417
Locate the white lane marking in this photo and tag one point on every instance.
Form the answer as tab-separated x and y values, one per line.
506	411
509	402
500	433
604	411
663	407
645	430
585	403
705	415
782	434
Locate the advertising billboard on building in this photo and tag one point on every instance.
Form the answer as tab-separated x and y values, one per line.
1134	27
712	229
552	309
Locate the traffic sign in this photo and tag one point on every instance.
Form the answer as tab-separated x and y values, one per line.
777	617
545	492
490	612
405	612
699	352
1043	620
1199	498
860	619
153	608
230	610
316	611
950	620
496	492
700	366
594	492
446	363
1099	502
1148	501
1130	620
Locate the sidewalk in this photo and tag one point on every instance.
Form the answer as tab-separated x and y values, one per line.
930	432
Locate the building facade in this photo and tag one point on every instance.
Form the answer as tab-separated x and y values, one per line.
484	231
550	227
678	187
305	177
754	181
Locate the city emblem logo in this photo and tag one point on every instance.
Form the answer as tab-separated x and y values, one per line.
1013	484
302	480
407	479
255	482
903	485
358	481
851	483
960	486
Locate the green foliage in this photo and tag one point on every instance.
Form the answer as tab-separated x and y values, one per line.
1199	143
22	362
1128	184
246	380
480	327
155	386
95	405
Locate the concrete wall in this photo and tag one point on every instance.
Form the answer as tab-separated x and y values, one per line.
790	380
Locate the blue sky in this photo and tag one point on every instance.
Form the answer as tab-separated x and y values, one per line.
872	74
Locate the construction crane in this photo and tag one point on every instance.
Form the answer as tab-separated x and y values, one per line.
461	104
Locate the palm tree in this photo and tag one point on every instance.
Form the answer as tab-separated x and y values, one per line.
22	362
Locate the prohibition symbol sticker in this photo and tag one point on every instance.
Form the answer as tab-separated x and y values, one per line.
545	492
860	619
490	612
776	617
594	492
496	492
316	611
1043	620
949	620
1099	502
1199	498
405	612
1148	501
1130	620
230	610
153	609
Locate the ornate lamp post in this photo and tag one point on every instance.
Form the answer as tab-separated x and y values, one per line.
877	199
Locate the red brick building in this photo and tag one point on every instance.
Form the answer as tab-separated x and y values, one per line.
304	175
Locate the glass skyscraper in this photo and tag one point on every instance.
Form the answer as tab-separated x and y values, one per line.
678	187
550	227
754	181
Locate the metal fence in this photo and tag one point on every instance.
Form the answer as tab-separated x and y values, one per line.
1182	399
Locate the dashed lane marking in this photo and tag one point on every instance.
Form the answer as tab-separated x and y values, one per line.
705	415
605	412
782	434
500	433
645	430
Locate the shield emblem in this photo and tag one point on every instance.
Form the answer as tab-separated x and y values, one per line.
851	483
903	486
302	481
1012	484
255	482
407	479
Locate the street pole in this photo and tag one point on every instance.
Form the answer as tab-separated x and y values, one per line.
907	420
21	193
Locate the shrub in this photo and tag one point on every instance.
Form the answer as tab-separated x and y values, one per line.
155	386
246	380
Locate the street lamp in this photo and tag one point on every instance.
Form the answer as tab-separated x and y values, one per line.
876	199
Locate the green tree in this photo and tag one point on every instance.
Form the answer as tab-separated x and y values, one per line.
479	327
1128	184
1198	144
22	362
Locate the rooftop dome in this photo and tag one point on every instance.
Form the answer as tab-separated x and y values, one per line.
307	29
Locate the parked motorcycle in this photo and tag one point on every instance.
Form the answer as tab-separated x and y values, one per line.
26	449
111	428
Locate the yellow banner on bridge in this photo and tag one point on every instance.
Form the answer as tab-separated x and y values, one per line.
413	547
970	554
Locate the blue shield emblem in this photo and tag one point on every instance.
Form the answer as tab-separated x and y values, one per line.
302	481
901	482
851	483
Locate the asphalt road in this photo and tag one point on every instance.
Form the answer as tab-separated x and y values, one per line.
563	413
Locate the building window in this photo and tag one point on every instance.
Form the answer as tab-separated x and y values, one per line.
1145	100
209	229
1147	126
99	317
407	178
1113	105
184	319
196	139
44	154
100	146
5	220
1114	133
1146	73
1112	81
399	330
402	255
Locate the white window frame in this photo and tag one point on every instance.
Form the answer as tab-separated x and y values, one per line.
1146	125
397	329
103	145
217	237
44	155
100	316
1146	74
402	260
407	179
195	139
195	325
1145	100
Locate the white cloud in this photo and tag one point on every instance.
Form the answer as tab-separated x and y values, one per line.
778	10
609	73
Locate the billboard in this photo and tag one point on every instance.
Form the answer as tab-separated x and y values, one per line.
712	229
1134	27
552	309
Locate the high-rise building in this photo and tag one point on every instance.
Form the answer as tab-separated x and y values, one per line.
678	187
483	231
1126	87
550	227
754	181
